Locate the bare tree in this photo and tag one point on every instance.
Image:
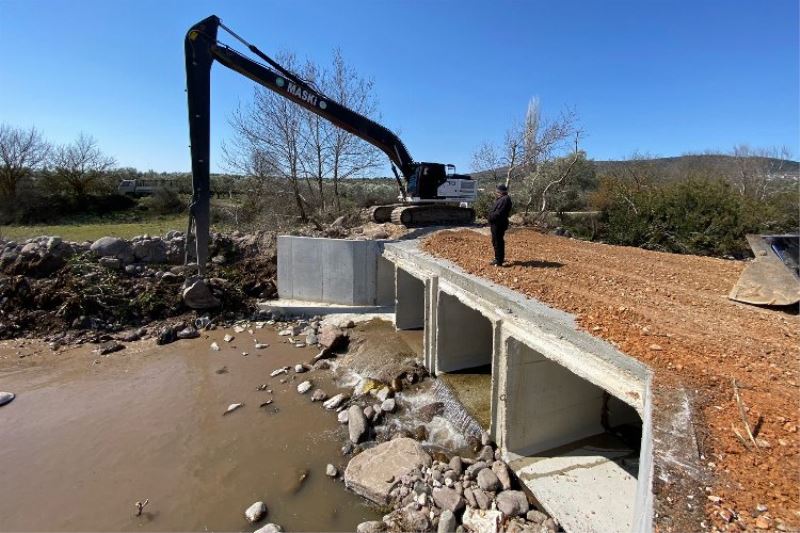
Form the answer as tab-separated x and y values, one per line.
277	139
756	171
528	146
349	155
22	152
80	166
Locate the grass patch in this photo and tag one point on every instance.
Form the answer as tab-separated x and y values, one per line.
90	231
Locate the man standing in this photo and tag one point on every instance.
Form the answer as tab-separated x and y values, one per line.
498	222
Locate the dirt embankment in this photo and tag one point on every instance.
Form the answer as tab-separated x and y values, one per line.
672	312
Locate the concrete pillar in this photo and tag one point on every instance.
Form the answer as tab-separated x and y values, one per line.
546	405
385	290
409	301
464	337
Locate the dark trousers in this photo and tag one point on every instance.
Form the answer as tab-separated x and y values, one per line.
499	242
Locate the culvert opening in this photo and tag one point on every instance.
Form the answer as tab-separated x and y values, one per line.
569	440
410	301
464	349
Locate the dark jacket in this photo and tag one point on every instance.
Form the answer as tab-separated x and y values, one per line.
499	214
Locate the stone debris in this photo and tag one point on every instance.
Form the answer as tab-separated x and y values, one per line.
331	471
6	397
318	395
304	387
367	472
279	371
256	512
357	424
228	337
197	295
261	346
269	528
335	401
215	346
232	407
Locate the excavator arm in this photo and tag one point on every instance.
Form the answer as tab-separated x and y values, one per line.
202	48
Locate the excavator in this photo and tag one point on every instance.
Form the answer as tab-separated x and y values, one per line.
429	193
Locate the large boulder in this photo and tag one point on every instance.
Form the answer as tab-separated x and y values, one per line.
331	337
197	295
374	472
113	247
150	251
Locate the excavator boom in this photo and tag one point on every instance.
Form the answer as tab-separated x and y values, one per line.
202	49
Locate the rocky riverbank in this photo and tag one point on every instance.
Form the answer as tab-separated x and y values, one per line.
421	485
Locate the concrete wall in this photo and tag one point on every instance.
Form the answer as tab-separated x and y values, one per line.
410	301
331	271
464	336
546	404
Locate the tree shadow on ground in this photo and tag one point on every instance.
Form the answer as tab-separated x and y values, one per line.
535	264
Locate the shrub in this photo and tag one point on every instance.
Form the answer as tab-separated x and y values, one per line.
697	216
164	201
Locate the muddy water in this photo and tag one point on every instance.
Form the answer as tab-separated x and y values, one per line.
88	436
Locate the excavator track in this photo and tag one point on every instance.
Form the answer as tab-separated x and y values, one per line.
382	213
432	215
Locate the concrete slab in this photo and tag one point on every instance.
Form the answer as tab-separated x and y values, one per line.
584	488
358	313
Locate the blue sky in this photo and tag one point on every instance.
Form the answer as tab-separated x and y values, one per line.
664	78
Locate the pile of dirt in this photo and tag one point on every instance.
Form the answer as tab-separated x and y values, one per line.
672	312
49	287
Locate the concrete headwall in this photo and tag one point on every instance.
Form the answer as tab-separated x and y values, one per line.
333	271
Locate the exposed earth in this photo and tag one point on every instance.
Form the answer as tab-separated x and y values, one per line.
672	312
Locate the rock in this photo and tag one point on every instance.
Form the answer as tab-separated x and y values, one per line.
113	247
448	499
447	522
197	295
256	512
6	397
483	500
318	395
512	502
312	339
550	524
215	346
487	480
109	347
343	417
111	263
228	338
232	407
485	438
474	469
482	521
762	522
383	393
501	471
537	517
331	337
388	405
188	333
279	371
368	472
369	412
331	471
356	424
166	335
427	412
335	401
486	454
150	251
456	465
304	387
269	528
373	526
